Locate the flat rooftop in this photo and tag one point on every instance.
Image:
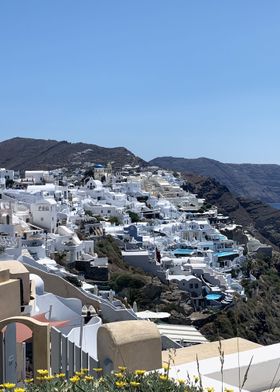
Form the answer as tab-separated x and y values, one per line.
209	350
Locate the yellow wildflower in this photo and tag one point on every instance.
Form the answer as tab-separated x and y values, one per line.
43	372
74	379
40	378
9	385
181	381
60	375
196	379
210	389
134	383
97	370
163	377
28	380
48	378
166	366
88	378
229	389
119	375
140	372
84	370
122	368
79	374
19	390
120	384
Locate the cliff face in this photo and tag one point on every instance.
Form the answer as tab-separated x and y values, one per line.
24	153
255	181
259	218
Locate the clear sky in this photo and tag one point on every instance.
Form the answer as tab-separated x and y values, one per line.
186	78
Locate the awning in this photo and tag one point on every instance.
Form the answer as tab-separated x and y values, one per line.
148	314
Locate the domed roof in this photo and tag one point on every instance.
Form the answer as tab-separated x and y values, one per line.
39	284
98	166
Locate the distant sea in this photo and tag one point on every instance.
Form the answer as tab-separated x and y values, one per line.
275	205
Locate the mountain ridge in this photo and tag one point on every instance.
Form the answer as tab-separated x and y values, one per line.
249	180
45	154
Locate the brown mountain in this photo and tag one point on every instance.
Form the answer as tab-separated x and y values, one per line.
256	181
25	153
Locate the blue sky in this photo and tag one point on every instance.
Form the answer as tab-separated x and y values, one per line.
186	78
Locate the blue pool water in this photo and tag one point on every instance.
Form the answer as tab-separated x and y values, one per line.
223	254
213	297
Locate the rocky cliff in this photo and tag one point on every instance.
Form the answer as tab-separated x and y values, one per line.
255	181
259	218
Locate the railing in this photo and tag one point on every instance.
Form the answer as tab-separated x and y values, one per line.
8	241
67	357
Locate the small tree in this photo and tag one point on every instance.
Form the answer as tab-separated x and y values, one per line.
134	216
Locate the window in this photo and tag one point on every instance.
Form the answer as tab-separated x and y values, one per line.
42	219
191	286
196	286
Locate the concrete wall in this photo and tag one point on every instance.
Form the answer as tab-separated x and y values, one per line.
9	298
18	271
59	311
134	344
59	286
111	313
263	364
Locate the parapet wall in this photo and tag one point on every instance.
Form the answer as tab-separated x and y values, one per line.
59	286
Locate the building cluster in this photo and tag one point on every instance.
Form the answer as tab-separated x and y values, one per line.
50	271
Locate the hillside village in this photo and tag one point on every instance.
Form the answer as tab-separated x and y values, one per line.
52	225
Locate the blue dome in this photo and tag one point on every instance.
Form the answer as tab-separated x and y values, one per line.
98	166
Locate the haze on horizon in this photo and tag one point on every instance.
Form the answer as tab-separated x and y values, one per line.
161	78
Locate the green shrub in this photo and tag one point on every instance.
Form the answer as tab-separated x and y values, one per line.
133	216
124	281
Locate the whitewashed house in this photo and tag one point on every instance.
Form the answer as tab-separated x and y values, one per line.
44	214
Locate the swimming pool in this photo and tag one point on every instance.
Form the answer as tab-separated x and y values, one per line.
225	253
213	297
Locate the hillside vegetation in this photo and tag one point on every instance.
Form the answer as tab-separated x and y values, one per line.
258	318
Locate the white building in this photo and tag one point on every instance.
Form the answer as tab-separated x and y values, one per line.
38	176
44	214
7	174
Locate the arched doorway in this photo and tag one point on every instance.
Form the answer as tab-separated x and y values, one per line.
40	342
